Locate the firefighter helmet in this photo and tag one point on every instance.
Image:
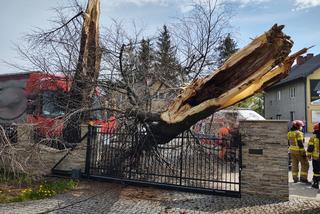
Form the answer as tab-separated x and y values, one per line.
297	124
316	127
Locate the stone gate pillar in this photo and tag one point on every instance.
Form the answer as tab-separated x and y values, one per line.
265	158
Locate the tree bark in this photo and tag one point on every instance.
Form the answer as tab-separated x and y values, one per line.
262	63
84	83
88	67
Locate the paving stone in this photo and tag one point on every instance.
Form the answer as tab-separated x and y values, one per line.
102	197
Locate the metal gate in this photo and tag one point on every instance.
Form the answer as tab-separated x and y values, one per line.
189	162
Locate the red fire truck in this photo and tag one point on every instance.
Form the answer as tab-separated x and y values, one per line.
35	97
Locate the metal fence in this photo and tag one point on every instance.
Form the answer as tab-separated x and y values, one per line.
189	162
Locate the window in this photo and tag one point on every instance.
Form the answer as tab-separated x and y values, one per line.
52	104
278	116
292	115
279	95
292	93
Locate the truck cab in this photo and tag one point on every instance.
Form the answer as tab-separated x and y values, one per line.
46	99
46	107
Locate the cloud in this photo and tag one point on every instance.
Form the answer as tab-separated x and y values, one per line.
304	4
246	2
184	5
140	2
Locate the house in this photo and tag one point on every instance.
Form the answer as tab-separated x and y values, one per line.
298	95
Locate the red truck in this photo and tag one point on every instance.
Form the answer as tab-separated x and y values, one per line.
34	97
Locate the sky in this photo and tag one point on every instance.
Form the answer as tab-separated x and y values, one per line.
250	18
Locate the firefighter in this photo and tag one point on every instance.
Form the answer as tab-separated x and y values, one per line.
297	152
313	153
223	133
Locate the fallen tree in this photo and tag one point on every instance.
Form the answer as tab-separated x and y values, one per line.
262	63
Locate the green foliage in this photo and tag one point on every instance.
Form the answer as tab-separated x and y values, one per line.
166	62
44	190
147	61
146	57
254	103
226	48
11	178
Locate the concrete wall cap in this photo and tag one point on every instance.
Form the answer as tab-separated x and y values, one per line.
264	121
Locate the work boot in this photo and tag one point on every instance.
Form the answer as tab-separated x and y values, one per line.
315	182
305	181
315	185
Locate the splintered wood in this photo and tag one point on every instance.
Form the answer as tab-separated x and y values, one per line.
261	64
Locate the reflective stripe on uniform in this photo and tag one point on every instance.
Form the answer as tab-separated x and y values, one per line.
299	135
294	173
303	173
314	142
293	137
316	175
295	148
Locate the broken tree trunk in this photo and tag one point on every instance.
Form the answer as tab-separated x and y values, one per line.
261	64
88	67
84	83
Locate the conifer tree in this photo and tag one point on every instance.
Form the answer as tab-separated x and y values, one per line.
226	48
145	64
166	64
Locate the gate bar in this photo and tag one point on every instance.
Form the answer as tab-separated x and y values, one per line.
227	193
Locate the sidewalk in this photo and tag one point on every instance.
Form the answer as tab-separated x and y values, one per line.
301	190
102	197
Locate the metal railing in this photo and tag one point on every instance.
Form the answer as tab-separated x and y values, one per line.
189	162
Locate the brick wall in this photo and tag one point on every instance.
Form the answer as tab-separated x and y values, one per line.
265	158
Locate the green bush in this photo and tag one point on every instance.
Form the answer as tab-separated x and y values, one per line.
44	190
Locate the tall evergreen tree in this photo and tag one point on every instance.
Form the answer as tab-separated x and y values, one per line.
226	48
146	57
166	62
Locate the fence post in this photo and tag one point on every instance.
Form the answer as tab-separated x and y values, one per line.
181	159
134	141
88	154
240	160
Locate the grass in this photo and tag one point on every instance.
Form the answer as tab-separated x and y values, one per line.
34	191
